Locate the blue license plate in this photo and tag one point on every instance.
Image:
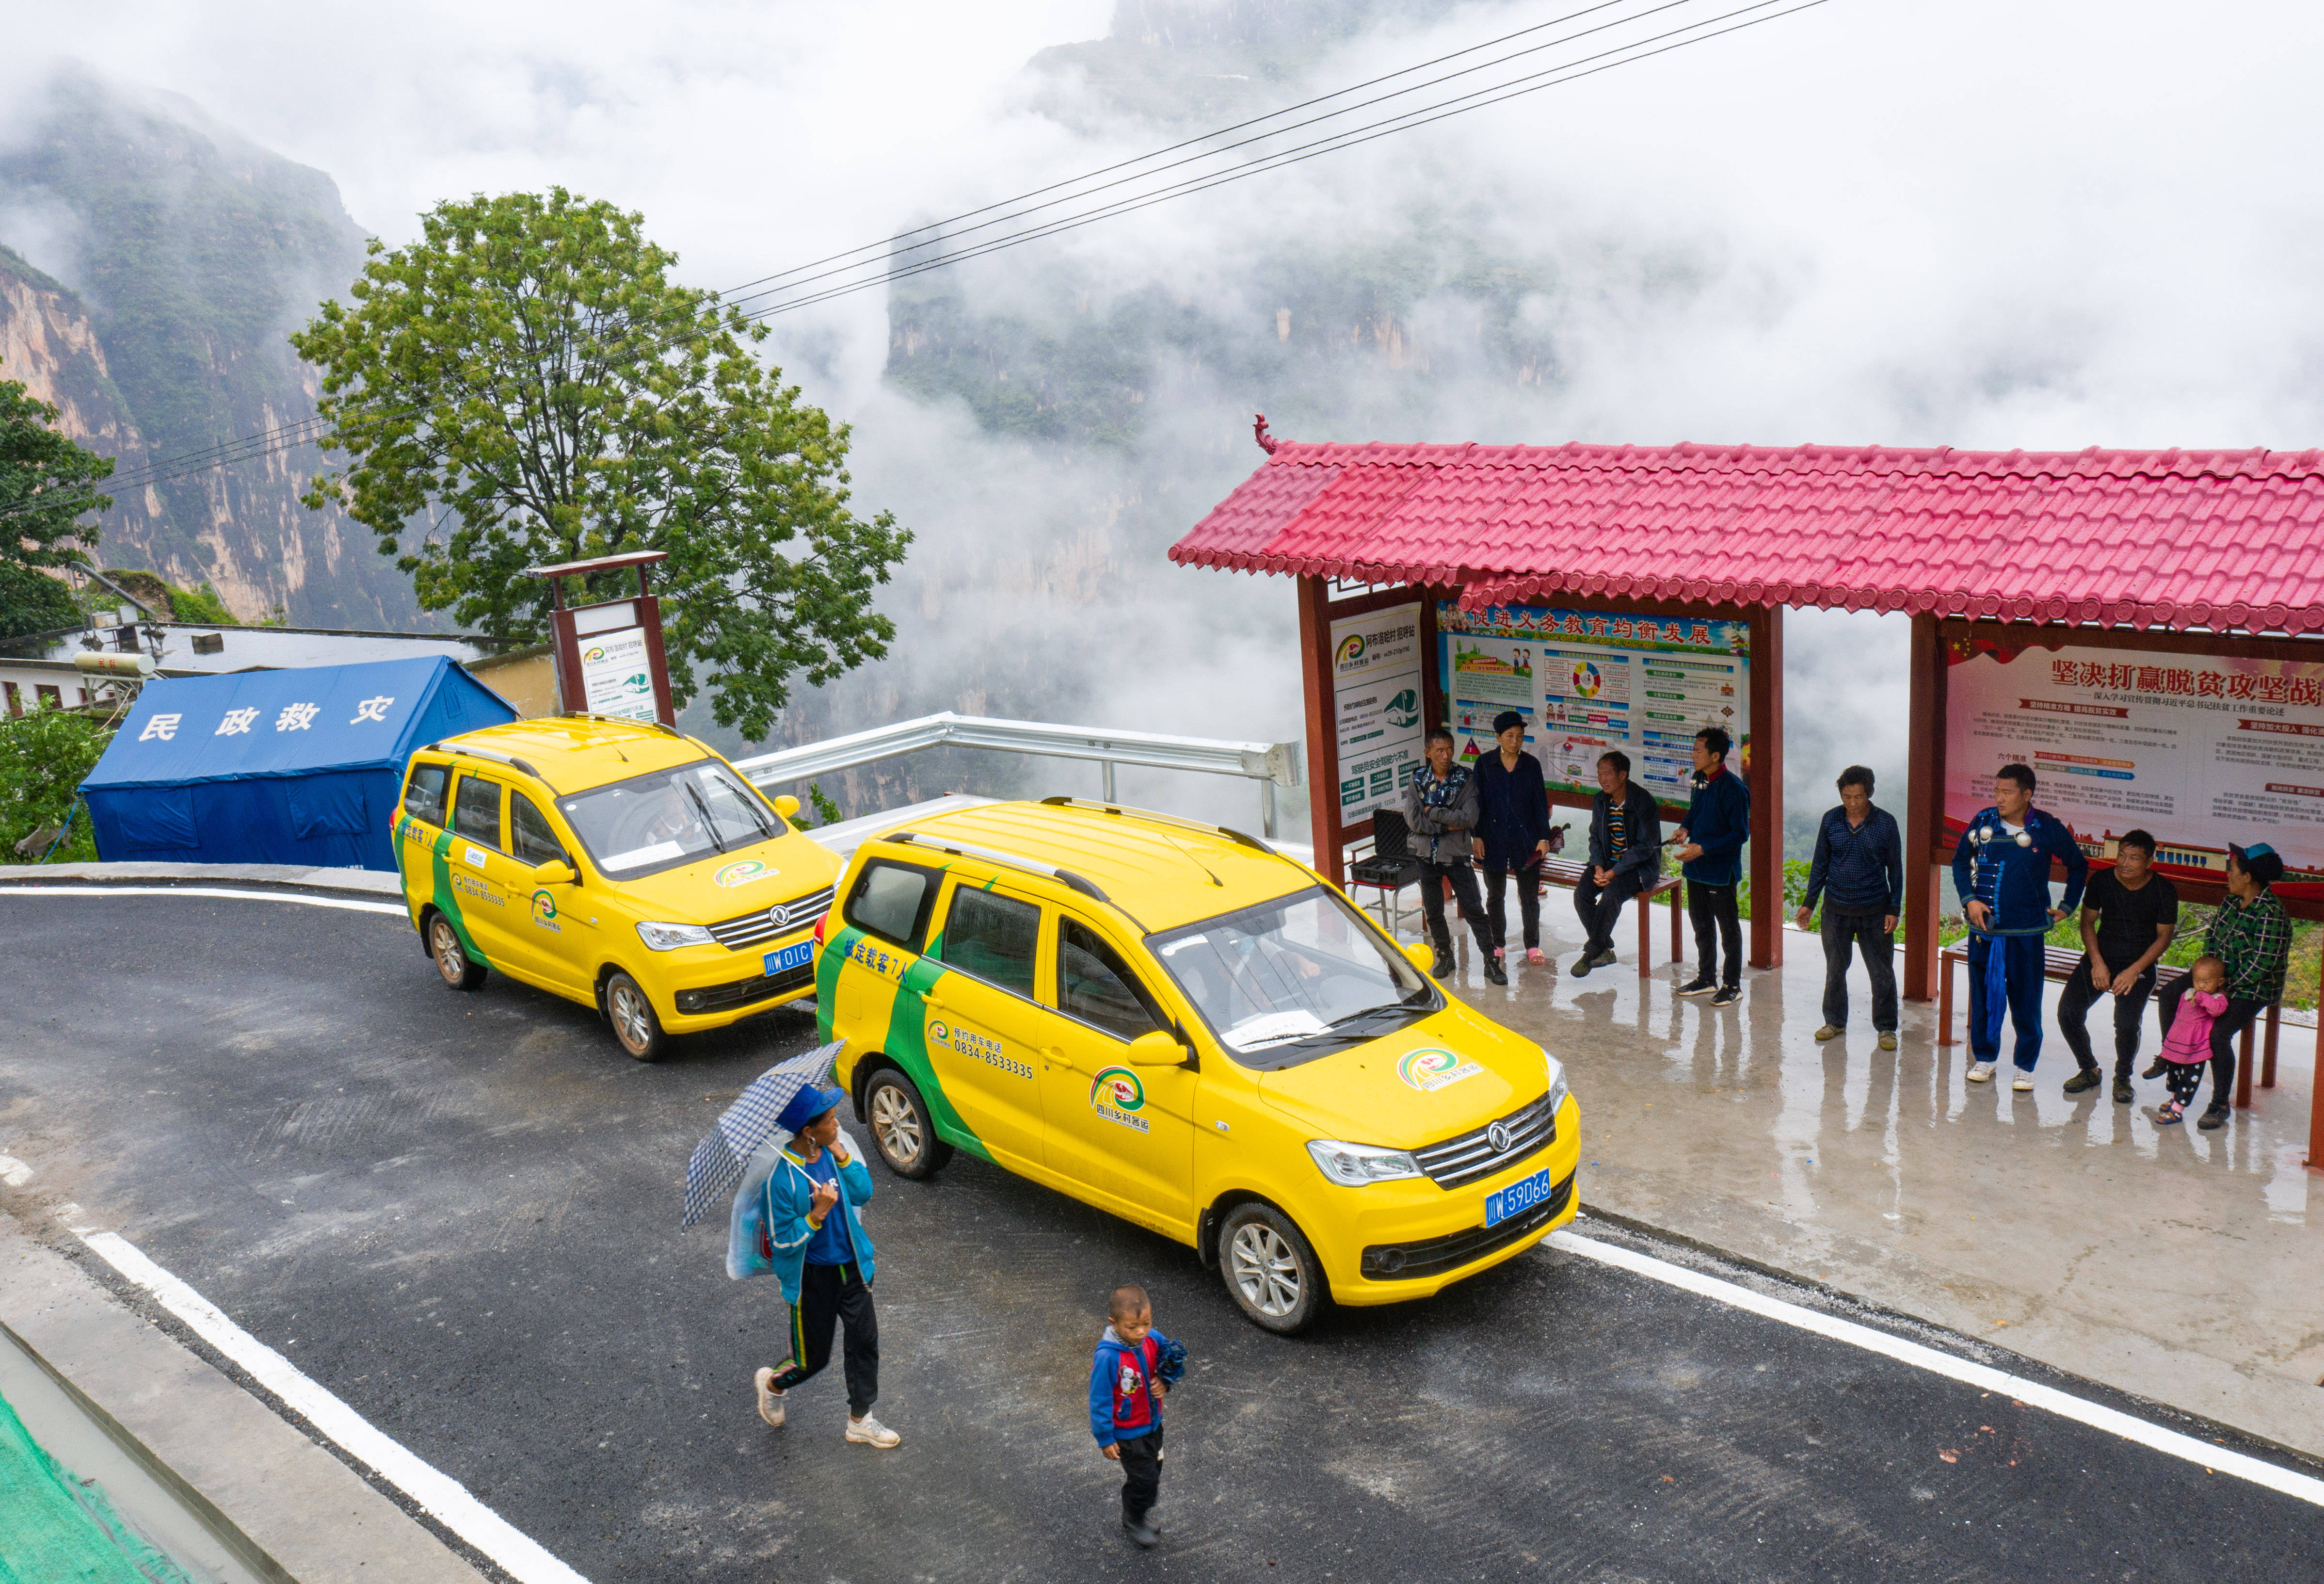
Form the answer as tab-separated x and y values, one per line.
1518	1198
789	958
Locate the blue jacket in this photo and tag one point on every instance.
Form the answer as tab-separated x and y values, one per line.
1124	1402
789	1190
1863	865
1719	821
2014	881
1513	806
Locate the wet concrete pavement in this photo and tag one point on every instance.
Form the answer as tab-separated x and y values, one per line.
460	1214
2184	1265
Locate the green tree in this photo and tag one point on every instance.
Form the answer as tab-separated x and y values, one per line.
44	756
33	602
527	376
45	482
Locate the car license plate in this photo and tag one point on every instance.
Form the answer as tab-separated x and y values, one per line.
789	958
1519	1197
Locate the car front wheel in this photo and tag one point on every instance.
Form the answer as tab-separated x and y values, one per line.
633	1017
900	1129
1271	1272
451	957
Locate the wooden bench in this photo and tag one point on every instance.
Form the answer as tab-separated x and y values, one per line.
1569	872
2058	962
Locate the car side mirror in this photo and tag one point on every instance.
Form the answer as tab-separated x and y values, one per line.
787	806
1421	957
1155	1049
556	872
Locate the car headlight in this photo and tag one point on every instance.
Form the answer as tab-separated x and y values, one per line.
1557	1090
1352	1165
670	937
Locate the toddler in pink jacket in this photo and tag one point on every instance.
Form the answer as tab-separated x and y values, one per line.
2188	1046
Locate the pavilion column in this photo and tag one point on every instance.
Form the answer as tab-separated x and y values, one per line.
1323	728
1766	784
1924	793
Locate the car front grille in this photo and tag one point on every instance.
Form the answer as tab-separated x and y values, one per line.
1472	1155
742	992
752	930
1434	1256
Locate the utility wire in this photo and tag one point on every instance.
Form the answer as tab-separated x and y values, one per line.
312	431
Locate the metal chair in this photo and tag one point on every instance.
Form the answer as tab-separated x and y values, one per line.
1390	868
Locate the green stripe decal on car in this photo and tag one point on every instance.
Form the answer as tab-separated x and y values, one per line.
439	856
906	1044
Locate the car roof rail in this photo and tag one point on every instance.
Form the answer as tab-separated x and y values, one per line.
495	755
1159	818
627	720
964	849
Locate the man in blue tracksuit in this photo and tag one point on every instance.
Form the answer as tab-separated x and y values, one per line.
2001	870
1710	853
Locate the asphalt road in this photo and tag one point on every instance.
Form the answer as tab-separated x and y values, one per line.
459	1213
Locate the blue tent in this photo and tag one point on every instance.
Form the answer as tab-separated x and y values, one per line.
294	766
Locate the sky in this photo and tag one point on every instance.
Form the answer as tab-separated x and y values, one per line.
2027	225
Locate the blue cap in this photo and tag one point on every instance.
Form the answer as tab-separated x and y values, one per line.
806	1105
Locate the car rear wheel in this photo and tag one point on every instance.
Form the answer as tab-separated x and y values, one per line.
451	957
633	1017
1271	1272
900	1129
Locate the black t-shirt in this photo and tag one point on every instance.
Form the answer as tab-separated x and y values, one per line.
2126	918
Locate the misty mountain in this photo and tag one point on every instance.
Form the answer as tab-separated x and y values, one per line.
154	261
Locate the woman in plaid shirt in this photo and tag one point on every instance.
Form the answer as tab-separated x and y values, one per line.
2253	937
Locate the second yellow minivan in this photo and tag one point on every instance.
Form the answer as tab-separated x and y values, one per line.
1177	1024
618	865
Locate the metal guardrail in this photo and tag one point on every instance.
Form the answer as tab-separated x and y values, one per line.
1271	765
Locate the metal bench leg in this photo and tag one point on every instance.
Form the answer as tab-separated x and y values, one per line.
1945	1000
2267	1061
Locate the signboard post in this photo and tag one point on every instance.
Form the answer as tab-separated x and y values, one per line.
609	655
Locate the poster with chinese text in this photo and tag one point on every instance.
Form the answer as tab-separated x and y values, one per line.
1376	703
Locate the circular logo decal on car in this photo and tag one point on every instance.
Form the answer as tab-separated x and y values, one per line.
742	871
544	906
1429	1071
1119	1087
939	1033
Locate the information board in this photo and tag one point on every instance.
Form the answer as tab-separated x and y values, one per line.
1376	701
616	677
1587	680
2198	750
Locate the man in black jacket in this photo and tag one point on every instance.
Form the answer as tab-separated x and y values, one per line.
1441	808
1626	856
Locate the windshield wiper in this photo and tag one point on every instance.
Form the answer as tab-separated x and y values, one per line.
708	824
1371	1012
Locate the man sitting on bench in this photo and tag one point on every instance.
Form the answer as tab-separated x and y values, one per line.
2129	914
1626	856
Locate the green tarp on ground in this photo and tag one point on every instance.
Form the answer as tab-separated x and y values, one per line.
56	1529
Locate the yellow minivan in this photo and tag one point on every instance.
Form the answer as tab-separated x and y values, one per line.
616	864
1181	1026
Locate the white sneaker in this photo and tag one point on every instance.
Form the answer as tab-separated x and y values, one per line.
871	1432
770	1401
1981	1072
2023	1083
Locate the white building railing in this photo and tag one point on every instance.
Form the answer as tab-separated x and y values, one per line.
1271	765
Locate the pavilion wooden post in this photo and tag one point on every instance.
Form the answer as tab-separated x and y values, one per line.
1924	808
1766	784
1323	728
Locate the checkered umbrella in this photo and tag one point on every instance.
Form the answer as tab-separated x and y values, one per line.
719	1159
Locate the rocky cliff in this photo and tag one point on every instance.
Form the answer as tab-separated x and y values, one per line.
158	258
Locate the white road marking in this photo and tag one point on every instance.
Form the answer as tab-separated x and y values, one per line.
2171	1442
399	910
439	1494
13	1172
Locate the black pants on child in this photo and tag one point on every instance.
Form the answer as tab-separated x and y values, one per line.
1141	1474
1497	922
2183	1079
1433	878
2074	1004
830	1294
1599	906
2234	1021
1713	910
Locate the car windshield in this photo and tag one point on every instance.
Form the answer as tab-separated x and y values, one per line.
1288	980
668	818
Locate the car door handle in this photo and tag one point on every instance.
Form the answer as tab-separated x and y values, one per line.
1055	1055
929	1000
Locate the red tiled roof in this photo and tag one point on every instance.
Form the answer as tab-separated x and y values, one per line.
2221	540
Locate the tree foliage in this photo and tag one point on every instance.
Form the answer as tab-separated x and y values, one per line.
44	486
33	602
528	380
44	756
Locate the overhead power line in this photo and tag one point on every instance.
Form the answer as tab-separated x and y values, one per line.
899	247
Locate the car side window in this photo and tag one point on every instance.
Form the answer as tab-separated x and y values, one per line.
476	810
1095	986
534	838
993	937
892	900
423	799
